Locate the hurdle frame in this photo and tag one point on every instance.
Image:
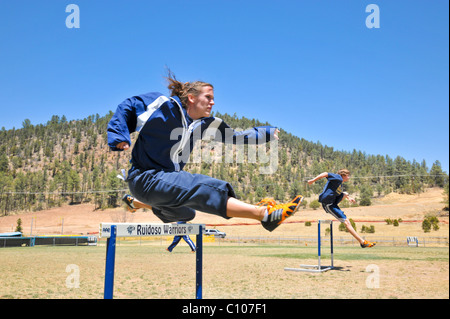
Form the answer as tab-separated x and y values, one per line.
318	268
113	230
412	241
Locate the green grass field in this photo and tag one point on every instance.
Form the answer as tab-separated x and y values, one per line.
229	272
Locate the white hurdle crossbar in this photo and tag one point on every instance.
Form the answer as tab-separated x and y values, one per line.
318	267
113	230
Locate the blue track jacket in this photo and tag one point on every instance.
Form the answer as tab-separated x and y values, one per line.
167	134
332	192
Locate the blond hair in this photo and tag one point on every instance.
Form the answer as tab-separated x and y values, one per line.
344	172
182	90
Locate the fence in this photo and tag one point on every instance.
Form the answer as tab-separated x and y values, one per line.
388	241
338	241
47	240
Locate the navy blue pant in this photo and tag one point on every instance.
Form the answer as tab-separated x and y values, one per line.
175	196
334	210
177	239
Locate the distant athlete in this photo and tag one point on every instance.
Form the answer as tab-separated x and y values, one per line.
332	195
177	239
168	128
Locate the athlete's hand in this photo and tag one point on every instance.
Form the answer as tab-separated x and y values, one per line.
123	146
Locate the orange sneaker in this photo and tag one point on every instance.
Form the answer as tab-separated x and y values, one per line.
128	199
279	212
367	243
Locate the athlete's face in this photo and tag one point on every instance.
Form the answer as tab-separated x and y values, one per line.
201	105
345	178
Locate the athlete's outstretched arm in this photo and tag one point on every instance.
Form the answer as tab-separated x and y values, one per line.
315	179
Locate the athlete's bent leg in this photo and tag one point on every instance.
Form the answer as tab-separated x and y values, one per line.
236	208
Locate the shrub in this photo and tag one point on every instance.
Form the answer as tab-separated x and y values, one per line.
314	204
368	229
430	222
343	228
365	201
426	225
304	203
394	222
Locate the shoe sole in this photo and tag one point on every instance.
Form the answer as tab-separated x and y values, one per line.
129	208
298	205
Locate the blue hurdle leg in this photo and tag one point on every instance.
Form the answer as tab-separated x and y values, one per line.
331	242
199	265
110	261
319	243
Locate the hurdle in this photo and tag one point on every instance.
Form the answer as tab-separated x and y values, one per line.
113	230
318	267
412	241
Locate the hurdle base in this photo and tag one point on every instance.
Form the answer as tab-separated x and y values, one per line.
310	268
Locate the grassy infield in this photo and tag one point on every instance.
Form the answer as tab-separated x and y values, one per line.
229	272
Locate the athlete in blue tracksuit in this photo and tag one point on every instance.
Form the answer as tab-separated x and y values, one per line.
332	195
177	239
168	128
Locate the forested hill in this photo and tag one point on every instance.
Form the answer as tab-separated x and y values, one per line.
43	166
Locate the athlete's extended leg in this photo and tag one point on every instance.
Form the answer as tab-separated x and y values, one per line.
353	232
175	190
334	210
236	208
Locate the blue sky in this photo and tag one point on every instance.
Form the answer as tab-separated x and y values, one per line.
310	67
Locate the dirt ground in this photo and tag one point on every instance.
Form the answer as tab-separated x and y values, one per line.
231	270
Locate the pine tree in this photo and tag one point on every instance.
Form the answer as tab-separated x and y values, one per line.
19	225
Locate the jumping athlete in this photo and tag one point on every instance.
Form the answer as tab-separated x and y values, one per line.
168	128
332	195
